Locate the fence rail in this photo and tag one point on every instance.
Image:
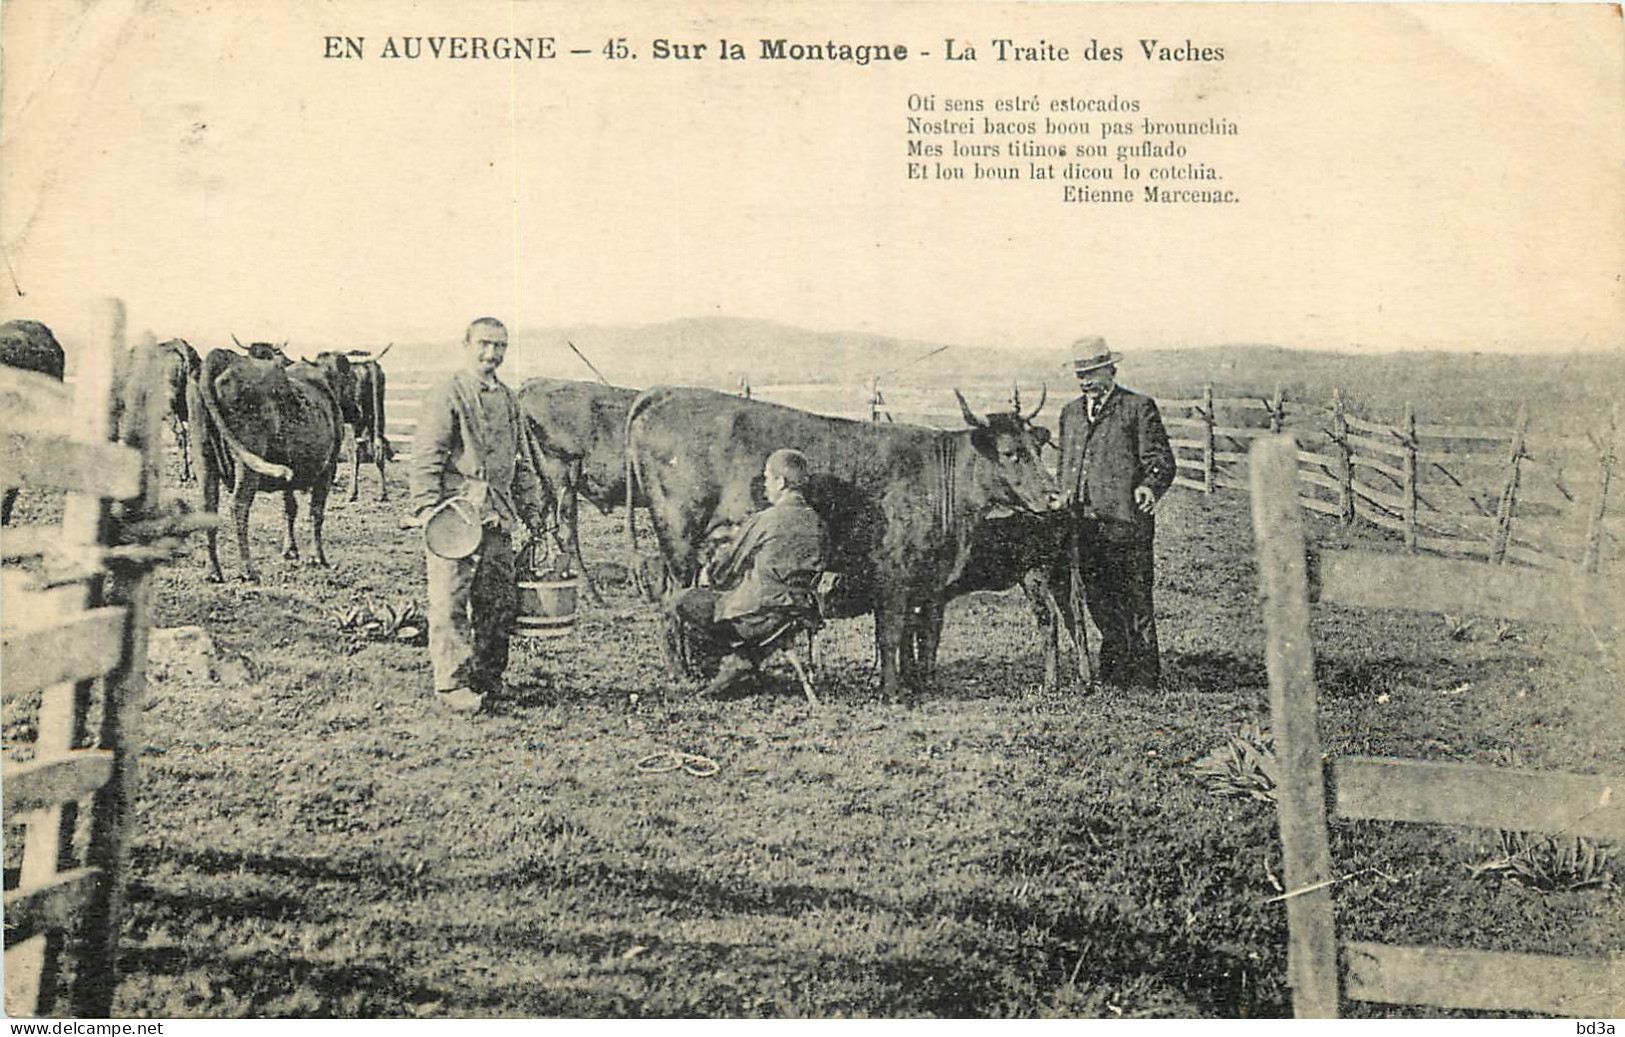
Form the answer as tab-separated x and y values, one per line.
1450	488
62	903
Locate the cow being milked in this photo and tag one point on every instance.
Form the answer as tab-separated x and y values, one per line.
904	505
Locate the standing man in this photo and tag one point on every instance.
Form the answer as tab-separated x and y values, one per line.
769	570
1115	466
472	442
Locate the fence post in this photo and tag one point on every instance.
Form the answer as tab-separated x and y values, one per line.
1345	461
1300	792
1408	484
1509	494
32	966
1207	437
122	691
1607	455
1276	405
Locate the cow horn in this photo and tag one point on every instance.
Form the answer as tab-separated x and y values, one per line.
1043	394
970	415
239	344
387	348
284	346
1015	397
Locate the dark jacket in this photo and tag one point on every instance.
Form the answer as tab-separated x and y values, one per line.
1103	462
779	553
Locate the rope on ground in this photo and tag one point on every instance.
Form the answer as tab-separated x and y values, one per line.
669	760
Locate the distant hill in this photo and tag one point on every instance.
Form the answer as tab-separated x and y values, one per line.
719	351
1565	392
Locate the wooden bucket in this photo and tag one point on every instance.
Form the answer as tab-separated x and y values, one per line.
547	608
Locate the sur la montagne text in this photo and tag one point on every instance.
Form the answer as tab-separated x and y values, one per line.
868	52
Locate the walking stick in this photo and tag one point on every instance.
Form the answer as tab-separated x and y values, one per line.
1080	631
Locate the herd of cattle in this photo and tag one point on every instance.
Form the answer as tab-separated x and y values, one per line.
916	516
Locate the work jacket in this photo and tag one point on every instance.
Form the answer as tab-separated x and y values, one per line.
473	440
776	559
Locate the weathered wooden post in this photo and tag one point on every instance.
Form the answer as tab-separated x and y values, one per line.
1509	493
121	705
1276	406
1607	455
31	968
1300	793
1408	483
1207	437
1345	461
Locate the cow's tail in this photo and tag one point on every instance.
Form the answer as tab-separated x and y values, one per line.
639	405
380	440
202	440
248	458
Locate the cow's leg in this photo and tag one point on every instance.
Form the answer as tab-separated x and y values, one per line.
676	535
378	452
927	637
891	626
290	511
242	498
355	465
1046	613
318	513
565	513
211	506
182	434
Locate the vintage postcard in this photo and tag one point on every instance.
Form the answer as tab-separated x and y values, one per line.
783	511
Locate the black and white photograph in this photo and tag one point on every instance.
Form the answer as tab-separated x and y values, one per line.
803	511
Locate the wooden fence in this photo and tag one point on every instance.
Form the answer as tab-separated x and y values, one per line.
1314	790
1502	494
74	642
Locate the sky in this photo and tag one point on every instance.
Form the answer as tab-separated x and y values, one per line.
1409	177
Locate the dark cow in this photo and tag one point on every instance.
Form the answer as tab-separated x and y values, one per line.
904	504
371	441
266	426
29	346
180	366
266	351
1034	553
580	428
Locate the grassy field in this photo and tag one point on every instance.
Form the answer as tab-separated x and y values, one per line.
314	838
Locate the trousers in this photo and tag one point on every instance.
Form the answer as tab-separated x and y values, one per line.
1117	574
697	607
472	607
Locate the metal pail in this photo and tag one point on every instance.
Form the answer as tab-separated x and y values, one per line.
452	529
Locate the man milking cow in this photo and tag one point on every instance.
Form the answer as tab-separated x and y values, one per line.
760	581
473	471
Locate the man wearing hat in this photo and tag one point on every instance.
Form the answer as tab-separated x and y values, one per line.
472	464
1115	466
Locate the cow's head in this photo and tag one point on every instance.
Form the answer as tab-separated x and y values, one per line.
1010	442
340	377
265	351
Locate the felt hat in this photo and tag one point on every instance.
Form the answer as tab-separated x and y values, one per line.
1090	352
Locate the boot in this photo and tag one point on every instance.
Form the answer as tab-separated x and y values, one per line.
730	672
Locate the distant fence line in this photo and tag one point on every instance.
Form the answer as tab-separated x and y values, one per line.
1495	493
1501	494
